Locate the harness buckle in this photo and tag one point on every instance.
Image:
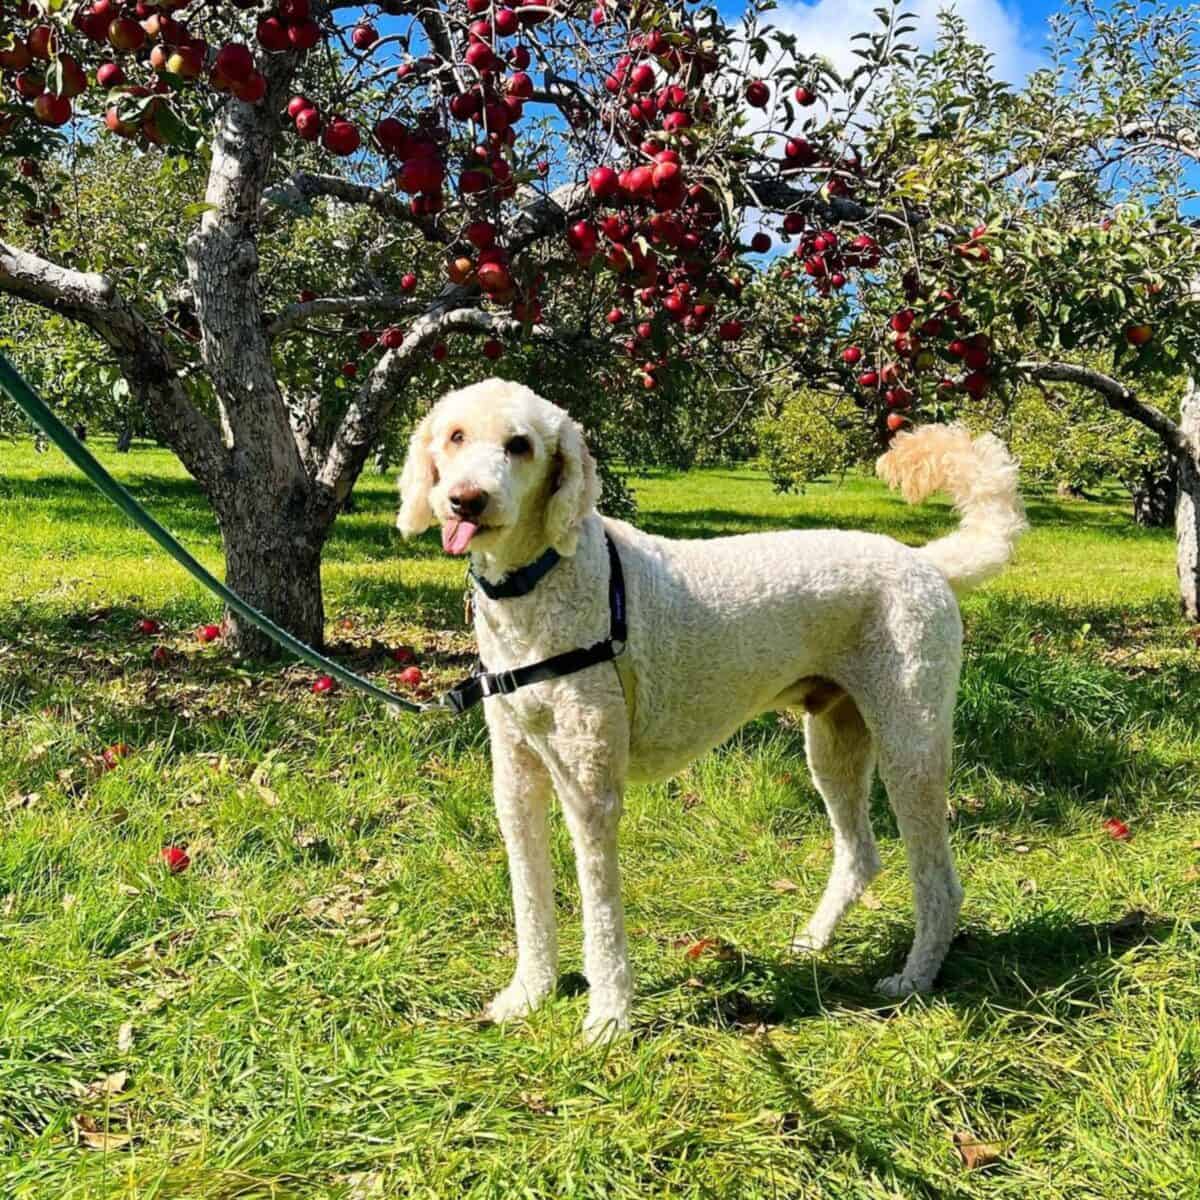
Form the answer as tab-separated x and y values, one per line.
499	683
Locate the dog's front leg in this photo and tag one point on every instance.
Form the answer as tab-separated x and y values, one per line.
592	819
522	793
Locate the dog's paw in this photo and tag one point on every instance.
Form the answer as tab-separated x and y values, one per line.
898	986
603	1026
515	1001
808	943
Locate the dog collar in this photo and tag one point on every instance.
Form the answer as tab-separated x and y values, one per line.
520	582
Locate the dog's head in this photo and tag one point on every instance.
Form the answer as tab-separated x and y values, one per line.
495	463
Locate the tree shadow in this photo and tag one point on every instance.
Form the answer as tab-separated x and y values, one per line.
917	524
1048	955
806	1117
175	503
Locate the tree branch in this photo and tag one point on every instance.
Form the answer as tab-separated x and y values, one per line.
145	362
296	314
1117	396
377	397
305	186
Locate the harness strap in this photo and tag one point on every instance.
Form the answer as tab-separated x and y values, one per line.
476	688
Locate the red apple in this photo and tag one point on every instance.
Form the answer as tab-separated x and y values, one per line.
758	95
235	62
851	355
481	234
896	421
175	859
976	384
303	36
492	349
408	281
252	91
109	75
308	124
39	40
410	676
208	633
364	36
391	136
1138	335
1117	829
340	137
126	35
323	684
805	97
50	109
272	34
111	755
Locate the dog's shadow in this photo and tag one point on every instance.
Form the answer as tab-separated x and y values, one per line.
1048	954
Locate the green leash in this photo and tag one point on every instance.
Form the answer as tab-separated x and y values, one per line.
38	412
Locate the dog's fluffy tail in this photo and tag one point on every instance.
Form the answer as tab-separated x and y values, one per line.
980	476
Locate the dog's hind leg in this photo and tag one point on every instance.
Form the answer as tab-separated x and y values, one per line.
841	757
915	768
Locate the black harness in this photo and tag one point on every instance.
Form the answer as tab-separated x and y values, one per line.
486	683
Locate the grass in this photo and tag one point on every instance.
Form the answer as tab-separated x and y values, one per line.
295	1016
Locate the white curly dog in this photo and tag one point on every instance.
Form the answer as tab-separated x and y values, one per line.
860	632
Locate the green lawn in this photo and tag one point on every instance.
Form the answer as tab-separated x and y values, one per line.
295	1016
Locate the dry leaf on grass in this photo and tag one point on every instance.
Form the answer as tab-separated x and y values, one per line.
784	885
91	1135
125	1038
536	1103
363	1185
976	1154
110	1085
870	900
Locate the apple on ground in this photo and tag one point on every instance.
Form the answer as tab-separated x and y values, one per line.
175	858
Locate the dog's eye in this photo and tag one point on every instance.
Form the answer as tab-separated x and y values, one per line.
458	437
517	445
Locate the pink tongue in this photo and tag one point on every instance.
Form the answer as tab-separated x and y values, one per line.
457	535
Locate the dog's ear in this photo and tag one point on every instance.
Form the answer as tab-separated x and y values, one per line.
416	479
575	489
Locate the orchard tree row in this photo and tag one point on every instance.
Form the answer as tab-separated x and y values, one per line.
353	206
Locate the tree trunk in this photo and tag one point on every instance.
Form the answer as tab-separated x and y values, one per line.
273	561
1187	507
1154	498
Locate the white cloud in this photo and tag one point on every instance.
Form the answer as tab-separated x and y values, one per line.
826	26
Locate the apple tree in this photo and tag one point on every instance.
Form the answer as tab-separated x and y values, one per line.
355	207
1034	237
508	179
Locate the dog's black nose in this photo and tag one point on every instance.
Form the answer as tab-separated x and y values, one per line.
468	501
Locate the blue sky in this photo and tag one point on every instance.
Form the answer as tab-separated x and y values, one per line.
1015	31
